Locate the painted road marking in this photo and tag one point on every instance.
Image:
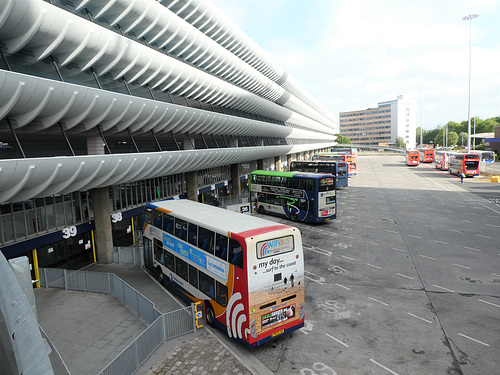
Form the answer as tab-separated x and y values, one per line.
489	303
408	277
394	248
425	256
440	287
372	243
471	248
340	342
418	317
385	368
346	257
371	265
376	300
342	286
444	243
470	338
460	265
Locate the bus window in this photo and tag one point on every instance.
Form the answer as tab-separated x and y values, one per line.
294	183
157	219
307	184
276	180
181	229
206	241
181	269
192	234
235	253
193	276
169	261
158	250
261	198
148	216
221	296
168	224
221	246
207	285
302	204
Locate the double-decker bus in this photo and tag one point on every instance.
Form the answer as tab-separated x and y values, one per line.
441	160
336	168
350	150
248	271
468	164
299	196
412	157
337	156
427	155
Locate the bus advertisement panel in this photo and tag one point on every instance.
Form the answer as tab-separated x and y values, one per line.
412	158
441	160
336	168
468	164
299	196
248	272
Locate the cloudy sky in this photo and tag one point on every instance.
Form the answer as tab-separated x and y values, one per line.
353	54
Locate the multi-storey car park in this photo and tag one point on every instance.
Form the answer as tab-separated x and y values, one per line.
108	105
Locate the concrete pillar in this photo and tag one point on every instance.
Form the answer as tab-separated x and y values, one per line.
192	185
289	160
235	179
102	221
277	163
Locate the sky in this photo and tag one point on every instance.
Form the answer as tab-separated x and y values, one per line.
352	54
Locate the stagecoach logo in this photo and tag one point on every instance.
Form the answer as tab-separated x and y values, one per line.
275	246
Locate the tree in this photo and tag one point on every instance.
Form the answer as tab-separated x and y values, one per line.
399	142
342	139
451	139
462	138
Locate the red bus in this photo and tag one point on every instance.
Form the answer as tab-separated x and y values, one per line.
412	157
427	155
468	164
441	160
248	271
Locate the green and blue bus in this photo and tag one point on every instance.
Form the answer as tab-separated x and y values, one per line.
299	196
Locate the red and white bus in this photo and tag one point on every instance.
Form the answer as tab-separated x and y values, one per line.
412	157
427	155
248	271
468	164
441	160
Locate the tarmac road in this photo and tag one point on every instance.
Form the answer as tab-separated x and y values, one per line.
405	281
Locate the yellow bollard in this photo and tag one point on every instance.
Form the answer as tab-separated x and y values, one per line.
495	179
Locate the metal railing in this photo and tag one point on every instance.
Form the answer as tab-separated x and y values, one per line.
161	327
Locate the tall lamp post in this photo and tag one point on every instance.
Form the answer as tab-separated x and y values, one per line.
469	18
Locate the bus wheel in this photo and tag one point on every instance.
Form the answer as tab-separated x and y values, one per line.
293	216
160	275
262	210
210	314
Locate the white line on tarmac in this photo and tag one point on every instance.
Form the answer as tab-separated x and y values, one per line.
482	235
408	277
454	230
393	248
494	274
343	286
440	287
468	222
372	243
418	317
471	248
391	231
444	243
371	265
411	235
340	342
425	256
385	368
460	265
489	303
470	338
369	226
343	256
376	300
442	218
493	225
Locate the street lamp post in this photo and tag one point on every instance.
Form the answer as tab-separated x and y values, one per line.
469	18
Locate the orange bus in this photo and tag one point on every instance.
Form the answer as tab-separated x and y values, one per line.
427	155
412	157
248	271
468	164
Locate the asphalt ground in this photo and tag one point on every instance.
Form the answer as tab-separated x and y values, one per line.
405	281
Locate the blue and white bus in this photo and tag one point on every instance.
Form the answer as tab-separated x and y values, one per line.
299	196
336	168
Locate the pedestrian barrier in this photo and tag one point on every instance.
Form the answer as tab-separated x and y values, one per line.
161	327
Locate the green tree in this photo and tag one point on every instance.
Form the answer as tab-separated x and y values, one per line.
342	139
451	139
462	139
399	142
